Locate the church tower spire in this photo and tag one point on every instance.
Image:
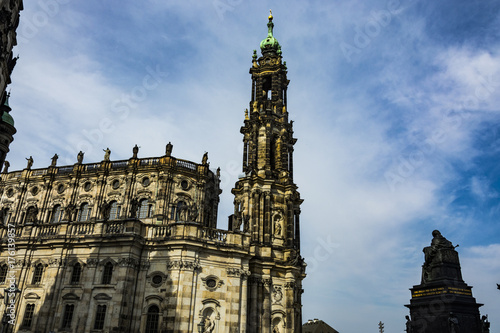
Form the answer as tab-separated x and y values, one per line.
267	203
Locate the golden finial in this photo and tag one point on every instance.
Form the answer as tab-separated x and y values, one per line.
270	15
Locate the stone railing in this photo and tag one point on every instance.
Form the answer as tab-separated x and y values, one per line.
120	164
185	231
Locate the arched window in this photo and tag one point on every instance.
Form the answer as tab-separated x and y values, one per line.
77	272
37	274
100	315
152	319
107	273
57	213
114	212
144	209
84	212
69	309
3	273
28	316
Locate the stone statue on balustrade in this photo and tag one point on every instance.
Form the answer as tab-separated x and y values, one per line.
79	157
107	154
54	160
6	166
135	151
30	162
168	149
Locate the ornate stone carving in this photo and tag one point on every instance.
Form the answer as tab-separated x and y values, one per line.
183	264
54	262
128	262
212	282
277	294
92	262
237	272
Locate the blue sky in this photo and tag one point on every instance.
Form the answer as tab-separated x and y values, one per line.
396	108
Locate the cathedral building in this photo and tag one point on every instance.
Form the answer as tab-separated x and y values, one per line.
134	245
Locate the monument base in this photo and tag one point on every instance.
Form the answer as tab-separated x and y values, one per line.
444	306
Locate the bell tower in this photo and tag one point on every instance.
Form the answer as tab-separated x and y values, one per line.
267	203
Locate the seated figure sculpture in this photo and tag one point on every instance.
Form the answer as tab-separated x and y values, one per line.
434	253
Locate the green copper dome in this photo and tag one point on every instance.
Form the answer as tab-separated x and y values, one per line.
270	43
6	117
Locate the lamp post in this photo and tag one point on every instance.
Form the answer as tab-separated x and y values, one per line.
201	325
7	292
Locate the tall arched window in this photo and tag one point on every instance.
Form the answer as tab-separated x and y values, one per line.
69	309
57	213
107	273
37	274
84	212
144	209
28	316
114	212
3	273
76	274
100	315
152	319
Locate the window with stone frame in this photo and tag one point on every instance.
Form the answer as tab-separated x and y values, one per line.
37	274
76	273
84	212
100	316
114	212
107	273
3	273
69	310
145	209
57	214
152	319
28	316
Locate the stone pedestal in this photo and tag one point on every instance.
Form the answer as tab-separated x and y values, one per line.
435	306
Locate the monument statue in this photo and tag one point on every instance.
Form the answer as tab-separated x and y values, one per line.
440	251
204	160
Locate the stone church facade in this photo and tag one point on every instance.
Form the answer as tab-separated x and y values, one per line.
134	246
